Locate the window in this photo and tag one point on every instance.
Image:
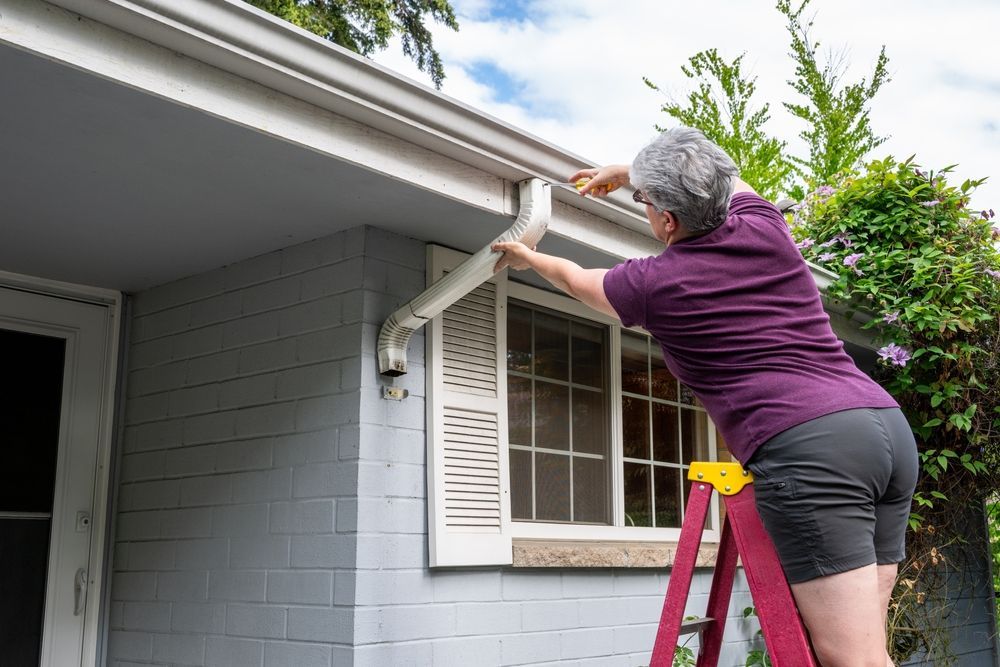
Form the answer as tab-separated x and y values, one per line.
549	423
560	398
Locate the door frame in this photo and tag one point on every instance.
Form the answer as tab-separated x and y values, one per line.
101	521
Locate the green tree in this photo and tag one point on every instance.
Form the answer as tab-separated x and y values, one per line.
365	26
720	107
838	132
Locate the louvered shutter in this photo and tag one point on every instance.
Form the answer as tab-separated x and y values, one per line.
467	473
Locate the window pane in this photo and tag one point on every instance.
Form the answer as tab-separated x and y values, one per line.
665	433
552	487
519	339
635	363
588	355
667	482
589	431
518	410
687	396
694	434
635	427
551	346
30	407
551	415
558	399
520	484
590	492
664	385
637	497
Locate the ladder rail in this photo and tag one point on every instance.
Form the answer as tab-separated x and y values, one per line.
679	585
744	537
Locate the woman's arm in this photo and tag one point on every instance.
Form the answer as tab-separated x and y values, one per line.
586	285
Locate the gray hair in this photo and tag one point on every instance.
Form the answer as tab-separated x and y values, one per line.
683	172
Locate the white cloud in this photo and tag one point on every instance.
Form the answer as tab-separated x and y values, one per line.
580	67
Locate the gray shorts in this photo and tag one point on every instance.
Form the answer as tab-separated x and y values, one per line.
834	493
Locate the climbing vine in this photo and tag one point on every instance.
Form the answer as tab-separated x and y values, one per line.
923	269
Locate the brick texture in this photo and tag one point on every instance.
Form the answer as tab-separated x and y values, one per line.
236	403
273	506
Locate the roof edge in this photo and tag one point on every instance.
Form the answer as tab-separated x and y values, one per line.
236	37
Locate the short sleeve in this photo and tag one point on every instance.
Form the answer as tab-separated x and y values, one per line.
625	288
746	204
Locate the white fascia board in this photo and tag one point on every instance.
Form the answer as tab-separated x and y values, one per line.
127	59
236	38
589	230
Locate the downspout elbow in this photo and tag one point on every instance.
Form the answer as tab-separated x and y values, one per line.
529	227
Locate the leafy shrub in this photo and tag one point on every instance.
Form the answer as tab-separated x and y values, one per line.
909	253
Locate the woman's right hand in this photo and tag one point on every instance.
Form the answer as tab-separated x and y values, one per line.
603	181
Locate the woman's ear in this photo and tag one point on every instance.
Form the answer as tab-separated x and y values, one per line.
669	221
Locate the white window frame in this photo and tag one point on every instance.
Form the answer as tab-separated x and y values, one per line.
617	532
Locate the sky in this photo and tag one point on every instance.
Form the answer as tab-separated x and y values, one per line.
571	72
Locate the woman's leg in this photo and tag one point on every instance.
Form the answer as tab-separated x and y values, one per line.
844	614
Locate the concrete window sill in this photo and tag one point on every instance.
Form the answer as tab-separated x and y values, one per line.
567	554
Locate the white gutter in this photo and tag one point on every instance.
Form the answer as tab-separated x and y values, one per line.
236	37
532	221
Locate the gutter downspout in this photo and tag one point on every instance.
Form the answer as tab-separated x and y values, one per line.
529	227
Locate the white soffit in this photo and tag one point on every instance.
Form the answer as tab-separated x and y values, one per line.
209	59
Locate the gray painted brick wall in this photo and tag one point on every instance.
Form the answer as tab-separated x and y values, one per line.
236	508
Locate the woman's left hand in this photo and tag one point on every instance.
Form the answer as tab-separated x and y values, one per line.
516	255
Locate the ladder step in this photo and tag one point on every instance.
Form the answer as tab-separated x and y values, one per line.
695	625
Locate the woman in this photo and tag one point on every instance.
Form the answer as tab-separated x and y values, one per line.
738	315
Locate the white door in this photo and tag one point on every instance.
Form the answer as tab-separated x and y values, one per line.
55	369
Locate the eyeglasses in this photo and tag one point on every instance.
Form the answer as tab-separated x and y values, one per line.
640	198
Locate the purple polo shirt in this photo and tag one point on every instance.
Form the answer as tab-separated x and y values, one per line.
741	323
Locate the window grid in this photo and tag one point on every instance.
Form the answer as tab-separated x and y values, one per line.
650	461
570	453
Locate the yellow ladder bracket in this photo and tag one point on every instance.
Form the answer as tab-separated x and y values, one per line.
727	478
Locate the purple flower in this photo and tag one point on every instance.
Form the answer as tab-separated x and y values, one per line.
933	202
992	273
842	238
987	214
894	354
827	244
826	256
851	260
891	318
804	243
824	191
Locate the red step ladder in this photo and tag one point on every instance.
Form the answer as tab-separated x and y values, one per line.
743	535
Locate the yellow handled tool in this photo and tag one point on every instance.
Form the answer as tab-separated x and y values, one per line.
582	182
